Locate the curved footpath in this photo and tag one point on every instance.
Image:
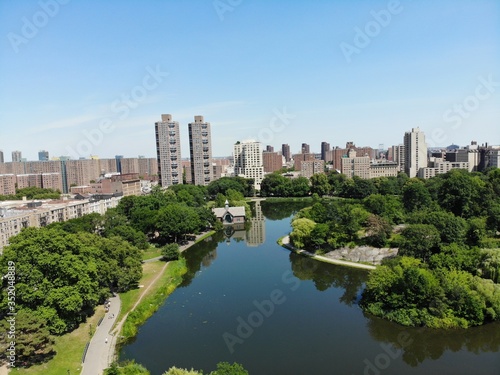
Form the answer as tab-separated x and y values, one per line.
286	243
101	351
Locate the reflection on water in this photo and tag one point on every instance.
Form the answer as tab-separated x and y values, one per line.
429	343
282	210
325	276
201	254
310	333
256	234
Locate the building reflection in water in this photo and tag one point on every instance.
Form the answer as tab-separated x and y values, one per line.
253	232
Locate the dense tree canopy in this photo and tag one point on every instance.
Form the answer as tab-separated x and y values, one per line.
448	235
62	276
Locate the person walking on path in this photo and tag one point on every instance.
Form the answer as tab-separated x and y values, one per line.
101	344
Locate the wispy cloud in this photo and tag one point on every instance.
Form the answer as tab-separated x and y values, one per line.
64	123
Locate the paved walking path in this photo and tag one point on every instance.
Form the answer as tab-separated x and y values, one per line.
100	353
101	348
286	243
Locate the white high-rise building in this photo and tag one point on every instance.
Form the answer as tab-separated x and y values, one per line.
415	152
200	150
398	156
248	161
168	151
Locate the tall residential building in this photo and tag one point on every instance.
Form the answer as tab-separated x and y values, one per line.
118	159
43	155
200	151
285	151
272	161
7	184
81	172
16	156
129	165
1	157
415	152
397	154
325	147
148	167
305	149
308	168
353	165
299	158
248	161
168	151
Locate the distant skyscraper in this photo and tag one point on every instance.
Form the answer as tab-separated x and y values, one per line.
16	156
415	152
43	155
168	151
1	157
269	148
248	161
325	147
200	150
118	159
305	149
285	150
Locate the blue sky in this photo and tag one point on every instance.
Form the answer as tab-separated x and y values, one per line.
92	77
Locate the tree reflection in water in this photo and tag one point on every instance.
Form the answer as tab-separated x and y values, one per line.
326	275
427	343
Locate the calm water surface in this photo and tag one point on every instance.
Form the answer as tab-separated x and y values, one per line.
246	299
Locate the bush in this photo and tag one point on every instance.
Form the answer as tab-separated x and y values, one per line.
170	252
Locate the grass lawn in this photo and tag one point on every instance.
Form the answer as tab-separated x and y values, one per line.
128	299
69	350
150	253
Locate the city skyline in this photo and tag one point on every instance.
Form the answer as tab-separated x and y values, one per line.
345	71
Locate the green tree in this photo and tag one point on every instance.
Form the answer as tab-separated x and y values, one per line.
221	185
170	251
179	371
387	206
225	368
419	241
177	220
274	184
301	233
320	184
451	228
476	231
378	231
33	342
415	195
319	235
299	187
461	193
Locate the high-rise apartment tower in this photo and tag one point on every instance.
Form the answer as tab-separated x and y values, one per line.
168	151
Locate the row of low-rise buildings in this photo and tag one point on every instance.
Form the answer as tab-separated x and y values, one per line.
16	215
64	173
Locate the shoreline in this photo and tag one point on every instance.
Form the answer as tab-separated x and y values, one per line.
117	329
285	242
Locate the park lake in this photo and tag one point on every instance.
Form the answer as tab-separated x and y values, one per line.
246	299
